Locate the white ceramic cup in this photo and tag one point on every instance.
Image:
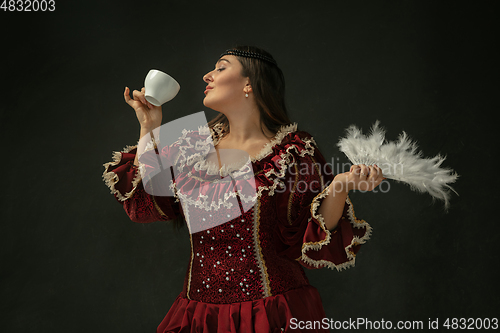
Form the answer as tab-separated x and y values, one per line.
160	87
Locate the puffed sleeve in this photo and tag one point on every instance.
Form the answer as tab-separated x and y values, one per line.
125	182
301	226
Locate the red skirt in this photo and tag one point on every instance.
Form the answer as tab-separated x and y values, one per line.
280	313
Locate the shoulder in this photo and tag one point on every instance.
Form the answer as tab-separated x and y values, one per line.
290	148
292	141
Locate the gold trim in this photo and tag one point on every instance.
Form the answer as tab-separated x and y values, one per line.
314	206
190	267
158	208
268	147
186	215
111	179
352	216
287	158
290	198
355	222
264	277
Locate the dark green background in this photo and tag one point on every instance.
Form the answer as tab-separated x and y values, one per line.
72	261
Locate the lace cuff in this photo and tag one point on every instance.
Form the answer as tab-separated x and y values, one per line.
333	249
121	175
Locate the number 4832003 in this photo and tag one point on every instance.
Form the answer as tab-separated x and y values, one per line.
28	5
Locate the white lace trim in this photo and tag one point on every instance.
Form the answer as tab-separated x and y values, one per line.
200	163
216	133
287	160
208	204
316	246
266	149
205	146
237	169
280	135
111	179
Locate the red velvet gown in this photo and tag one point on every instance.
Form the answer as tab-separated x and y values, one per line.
246	274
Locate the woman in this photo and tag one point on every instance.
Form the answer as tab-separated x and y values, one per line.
245	272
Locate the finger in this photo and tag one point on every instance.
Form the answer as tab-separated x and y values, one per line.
139	96
365	171
143	90
373	172
376	176
380	174
355	169
126	95
380	177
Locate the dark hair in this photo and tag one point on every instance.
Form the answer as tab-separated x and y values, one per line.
268	86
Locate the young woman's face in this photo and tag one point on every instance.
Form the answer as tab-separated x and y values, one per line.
226	86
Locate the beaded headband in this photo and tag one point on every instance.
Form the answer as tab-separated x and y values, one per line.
248	54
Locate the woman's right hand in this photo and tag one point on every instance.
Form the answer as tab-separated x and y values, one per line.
149	116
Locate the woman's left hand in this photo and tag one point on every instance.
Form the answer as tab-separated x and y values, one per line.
361	177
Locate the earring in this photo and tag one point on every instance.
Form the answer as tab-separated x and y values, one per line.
246	95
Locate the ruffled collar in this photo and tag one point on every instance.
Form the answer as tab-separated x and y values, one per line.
201	183
268	147
195	145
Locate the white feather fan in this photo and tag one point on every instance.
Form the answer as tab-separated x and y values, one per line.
399	160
